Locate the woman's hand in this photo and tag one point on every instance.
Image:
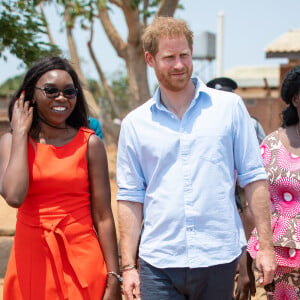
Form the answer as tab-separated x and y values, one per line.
22	115
245	279
113	289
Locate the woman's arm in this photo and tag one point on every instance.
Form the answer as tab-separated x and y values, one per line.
102	213
14	177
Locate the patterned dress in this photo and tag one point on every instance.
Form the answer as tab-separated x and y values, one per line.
283	169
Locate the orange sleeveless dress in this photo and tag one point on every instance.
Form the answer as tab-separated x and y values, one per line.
56	253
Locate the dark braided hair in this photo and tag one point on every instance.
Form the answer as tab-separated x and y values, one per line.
290	87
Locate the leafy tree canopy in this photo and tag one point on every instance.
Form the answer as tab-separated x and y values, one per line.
22	31
11	85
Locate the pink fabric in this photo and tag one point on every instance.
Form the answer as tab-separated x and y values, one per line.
284	291
283	169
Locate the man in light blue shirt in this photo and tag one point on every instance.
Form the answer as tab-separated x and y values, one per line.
177	157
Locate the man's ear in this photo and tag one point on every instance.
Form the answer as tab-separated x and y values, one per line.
149	59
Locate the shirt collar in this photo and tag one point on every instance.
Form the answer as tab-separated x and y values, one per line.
200	87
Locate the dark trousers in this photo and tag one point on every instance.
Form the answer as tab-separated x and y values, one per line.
209	283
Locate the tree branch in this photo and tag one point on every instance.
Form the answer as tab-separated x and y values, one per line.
51	41
118	3
133	22
167	8
111	96
110	128
146	5
111	32
93	107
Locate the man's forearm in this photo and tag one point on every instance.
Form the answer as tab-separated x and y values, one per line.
130	215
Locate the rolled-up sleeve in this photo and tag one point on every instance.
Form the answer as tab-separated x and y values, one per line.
247	155
130	179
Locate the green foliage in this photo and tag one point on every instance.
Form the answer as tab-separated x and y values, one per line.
10	86
120	87
23	30
92	87
134	3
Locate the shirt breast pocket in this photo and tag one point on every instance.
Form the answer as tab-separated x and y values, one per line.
207	144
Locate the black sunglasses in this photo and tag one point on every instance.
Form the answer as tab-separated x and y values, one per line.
53	92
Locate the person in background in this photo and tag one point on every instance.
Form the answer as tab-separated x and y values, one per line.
281	157
229	85
96	126
177	157
245	280
52	167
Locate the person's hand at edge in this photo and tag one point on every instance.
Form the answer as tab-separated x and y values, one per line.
266	265
131	285
245	279
113	289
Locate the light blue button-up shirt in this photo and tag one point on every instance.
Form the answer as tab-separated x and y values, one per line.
183	171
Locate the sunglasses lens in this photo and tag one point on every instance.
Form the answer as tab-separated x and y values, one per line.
51	92
70	92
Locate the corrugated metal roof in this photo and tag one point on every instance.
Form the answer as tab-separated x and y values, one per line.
287	45
253	76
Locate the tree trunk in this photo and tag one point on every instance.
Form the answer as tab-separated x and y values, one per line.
92	105
137	76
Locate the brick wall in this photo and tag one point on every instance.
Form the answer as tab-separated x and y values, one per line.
4	126
264	104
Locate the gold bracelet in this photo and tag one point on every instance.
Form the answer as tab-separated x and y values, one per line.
116	275
128	267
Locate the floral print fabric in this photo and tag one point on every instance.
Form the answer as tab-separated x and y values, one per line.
283	169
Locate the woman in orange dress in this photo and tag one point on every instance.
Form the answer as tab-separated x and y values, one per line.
54	170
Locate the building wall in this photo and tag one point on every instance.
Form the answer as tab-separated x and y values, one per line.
4	124
4	127
267	111
265	105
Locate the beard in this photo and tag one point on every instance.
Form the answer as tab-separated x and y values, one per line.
173	83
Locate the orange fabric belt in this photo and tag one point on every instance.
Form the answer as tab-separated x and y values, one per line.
53	231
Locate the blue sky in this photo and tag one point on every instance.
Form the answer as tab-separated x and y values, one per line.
249	27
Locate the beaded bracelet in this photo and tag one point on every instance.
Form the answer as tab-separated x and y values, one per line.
116	275
128	267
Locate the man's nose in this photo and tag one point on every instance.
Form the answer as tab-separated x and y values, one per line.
178	63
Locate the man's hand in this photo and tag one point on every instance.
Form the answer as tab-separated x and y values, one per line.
131	285
266	266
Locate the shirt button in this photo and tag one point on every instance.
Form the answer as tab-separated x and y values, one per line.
190	228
